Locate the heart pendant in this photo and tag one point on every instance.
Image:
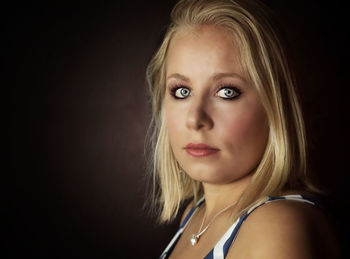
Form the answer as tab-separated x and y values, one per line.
194	240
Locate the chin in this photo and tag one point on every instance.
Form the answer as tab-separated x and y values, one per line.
218	176
213	177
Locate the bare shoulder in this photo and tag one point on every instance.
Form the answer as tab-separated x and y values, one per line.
285	229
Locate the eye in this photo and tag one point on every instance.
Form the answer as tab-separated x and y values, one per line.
228	93
181	92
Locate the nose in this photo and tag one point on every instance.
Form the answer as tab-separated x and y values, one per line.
198	117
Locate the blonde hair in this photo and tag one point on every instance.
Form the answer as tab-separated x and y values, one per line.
283	164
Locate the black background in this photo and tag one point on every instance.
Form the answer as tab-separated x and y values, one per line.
79	113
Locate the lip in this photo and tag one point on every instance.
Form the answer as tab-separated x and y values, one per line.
200	150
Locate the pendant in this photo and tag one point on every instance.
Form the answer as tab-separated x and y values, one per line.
194	240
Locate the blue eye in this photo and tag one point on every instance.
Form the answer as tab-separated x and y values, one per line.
228	93
181	92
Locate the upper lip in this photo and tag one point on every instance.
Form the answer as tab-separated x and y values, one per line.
199	146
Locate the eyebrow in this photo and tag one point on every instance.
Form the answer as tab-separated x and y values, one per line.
219	76
178	76
215	77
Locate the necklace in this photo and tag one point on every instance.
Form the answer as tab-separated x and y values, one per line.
195	237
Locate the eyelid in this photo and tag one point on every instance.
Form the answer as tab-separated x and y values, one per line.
174	85
223	86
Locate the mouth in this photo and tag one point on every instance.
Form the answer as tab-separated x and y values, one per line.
200	150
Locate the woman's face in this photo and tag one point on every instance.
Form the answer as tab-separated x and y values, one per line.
216	123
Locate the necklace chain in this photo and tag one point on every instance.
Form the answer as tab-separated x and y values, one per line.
195	237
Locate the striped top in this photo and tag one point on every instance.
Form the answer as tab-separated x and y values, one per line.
221	248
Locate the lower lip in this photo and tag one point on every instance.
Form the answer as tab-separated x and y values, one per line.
196	152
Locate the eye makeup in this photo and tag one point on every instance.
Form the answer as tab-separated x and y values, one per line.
179	91
226	92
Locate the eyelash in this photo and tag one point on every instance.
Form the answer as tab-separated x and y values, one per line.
173	90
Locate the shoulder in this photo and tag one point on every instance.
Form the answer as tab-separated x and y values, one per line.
285	229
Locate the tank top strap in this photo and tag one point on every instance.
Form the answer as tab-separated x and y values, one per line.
221	248
180	230
191	212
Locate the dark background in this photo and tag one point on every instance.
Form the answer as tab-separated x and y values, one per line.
79	113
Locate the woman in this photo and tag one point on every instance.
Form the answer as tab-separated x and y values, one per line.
229	137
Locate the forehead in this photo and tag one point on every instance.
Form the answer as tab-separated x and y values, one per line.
210	47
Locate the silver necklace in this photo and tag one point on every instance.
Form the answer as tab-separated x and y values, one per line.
195	237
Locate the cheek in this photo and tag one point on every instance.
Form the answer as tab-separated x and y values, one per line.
244	129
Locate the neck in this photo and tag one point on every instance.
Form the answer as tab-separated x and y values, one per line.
219	196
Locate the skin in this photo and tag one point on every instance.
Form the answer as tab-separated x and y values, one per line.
203	61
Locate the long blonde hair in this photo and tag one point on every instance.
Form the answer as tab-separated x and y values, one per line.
283	164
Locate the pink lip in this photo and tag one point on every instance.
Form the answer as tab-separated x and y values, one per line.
200	150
